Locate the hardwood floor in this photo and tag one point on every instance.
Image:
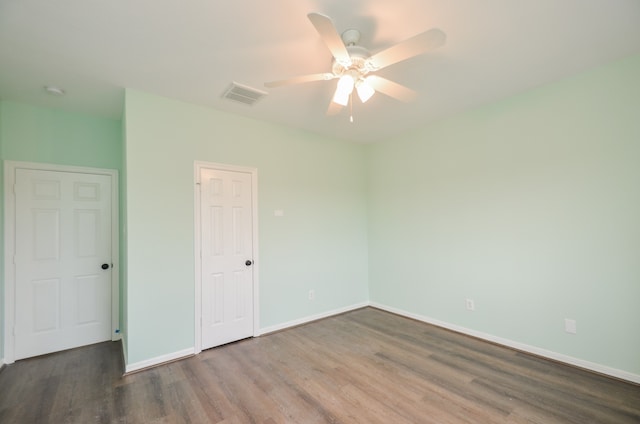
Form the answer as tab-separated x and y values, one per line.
366	366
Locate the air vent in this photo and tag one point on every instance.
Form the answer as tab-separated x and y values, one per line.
243	94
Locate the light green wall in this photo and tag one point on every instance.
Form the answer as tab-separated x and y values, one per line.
33	134
320	243
529	206
36	134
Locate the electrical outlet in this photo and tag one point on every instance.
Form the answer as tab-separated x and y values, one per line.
570	326
312	294
470	305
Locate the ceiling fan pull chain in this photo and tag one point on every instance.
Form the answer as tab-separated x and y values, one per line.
351	108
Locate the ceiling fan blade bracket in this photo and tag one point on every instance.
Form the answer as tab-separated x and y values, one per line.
369	66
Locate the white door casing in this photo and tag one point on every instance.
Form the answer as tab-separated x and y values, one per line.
61	227
226	239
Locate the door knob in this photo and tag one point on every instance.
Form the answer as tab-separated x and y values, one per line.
248	263
105	266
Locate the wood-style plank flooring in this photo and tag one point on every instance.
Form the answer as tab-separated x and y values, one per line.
365	366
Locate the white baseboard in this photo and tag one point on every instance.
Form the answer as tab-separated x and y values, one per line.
158	360
305	320
602	369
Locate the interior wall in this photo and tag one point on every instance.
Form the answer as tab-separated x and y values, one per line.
320	243
33	134
530	207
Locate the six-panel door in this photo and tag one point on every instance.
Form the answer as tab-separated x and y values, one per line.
63	240
227	276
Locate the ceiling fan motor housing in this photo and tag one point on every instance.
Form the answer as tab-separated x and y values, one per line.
358	55
351	37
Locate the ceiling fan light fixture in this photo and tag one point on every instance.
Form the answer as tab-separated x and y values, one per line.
365	91
341	98
354	65
344	90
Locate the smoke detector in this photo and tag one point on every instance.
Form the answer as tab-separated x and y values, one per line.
53	90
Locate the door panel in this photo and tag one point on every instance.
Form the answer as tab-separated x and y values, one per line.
227	282
63	236
46	234
46	295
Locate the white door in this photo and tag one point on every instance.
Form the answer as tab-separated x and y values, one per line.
227	271
62	260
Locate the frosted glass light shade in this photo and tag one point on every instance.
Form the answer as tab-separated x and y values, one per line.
344	89
365	91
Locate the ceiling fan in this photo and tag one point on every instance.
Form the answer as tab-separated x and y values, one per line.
354	66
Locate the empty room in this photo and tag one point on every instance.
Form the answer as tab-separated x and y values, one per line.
350	211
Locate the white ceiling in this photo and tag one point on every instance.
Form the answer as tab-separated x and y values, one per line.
192	50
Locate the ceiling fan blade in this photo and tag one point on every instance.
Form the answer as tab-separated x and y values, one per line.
414	46
327	30
334	108
390	88
300	79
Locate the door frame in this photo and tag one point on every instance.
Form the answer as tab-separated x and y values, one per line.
198	167
10	168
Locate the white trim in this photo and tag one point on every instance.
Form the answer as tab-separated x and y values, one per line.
9	245
311	318
197	167
123	344
197	263
9	266
159	360
580	363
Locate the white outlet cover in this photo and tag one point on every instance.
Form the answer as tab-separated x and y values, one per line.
278	212
470	305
